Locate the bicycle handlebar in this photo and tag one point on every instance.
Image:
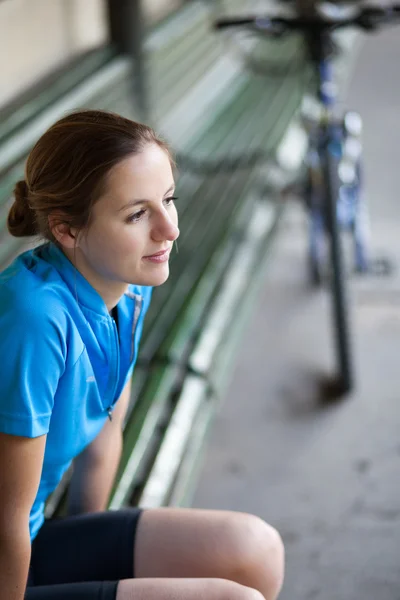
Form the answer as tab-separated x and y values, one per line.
368	18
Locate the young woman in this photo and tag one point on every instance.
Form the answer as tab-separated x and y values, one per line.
99	189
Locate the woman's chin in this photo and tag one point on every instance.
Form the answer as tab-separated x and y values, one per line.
157	277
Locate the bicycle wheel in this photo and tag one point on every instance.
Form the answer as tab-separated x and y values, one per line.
337	277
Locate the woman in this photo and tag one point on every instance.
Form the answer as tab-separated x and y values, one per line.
99	190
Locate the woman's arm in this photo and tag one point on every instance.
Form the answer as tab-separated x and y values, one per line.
96	467
21	462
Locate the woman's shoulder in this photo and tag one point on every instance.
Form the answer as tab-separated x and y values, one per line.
27	295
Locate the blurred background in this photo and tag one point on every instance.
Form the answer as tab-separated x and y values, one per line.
228	410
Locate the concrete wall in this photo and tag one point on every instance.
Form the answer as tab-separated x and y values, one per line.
157	9
38	35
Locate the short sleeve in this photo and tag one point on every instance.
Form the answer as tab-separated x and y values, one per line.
32	359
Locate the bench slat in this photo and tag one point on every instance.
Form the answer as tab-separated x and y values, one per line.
139	434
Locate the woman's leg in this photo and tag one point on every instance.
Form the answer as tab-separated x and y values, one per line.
180	544
190	543
85	548
184	589
146	589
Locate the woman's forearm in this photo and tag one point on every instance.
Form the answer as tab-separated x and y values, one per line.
94	475
95	469
15	553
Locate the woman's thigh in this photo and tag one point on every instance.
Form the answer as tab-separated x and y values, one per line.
146	589
185	589
174	542
86	548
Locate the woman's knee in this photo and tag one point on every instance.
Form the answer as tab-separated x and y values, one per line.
256	553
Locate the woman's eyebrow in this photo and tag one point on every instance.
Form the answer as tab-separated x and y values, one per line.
140	200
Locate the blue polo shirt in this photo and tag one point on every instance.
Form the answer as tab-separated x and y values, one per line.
63	361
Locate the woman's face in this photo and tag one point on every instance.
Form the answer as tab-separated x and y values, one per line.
134	225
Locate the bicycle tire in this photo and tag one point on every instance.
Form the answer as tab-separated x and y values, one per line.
340	306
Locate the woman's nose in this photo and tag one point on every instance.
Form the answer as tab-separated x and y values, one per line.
165	229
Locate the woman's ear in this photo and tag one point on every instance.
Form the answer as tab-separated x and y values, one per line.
62	231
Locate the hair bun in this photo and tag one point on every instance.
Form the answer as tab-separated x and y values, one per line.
21	218
21	192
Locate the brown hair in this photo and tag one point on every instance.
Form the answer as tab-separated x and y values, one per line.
67	168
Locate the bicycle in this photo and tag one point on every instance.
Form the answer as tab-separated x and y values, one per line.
334	181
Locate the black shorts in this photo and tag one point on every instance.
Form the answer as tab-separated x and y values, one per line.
83	557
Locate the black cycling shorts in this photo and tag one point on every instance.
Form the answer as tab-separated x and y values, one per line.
83	557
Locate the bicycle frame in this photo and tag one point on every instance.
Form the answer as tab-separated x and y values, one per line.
325	152
330	138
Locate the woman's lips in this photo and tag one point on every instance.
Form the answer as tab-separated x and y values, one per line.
159	257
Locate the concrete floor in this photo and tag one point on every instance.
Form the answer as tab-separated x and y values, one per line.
327	476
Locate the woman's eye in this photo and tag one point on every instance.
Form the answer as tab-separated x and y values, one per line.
139	214
170	200
135	217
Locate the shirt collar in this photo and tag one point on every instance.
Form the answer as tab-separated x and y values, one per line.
82	290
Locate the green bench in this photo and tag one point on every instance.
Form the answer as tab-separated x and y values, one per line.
208	108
